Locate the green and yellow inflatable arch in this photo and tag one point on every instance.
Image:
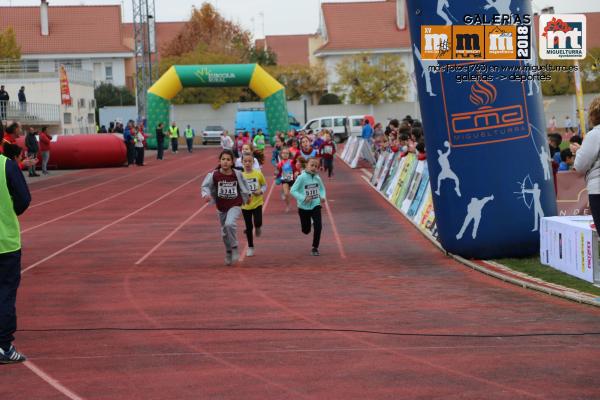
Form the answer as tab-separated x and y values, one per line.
252	75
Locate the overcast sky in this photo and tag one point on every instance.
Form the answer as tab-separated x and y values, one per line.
280	16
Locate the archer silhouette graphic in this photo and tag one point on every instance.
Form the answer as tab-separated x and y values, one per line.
425	64
446	172
536	193
474	214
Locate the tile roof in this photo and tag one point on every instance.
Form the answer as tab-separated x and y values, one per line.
72	29
363	26
290	49
165	33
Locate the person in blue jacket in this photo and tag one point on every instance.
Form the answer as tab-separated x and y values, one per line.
367	131
309	192
14	200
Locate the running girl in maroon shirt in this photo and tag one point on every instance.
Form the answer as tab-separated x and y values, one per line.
227	188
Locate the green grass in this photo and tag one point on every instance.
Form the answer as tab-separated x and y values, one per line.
533	267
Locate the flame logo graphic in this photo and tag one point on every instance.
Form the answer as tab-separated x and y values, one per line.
483	93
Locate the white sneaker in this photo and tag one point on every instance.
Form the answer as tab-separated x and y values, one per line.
228	258
250	252
235	255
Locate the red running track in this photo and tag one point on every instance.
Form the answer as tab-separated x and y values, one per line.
125	296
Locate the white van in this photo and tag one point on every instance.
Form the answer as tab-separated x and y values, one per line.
337	124
355	122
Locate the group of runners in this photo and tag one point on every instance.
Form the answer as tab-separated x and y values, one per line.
237	186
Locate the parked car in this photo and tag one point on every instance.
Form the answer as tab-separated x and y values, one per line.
356	123
212	134
337	124
255	118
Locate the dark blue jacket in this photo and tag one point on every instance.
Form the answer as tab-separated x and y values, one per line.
17	187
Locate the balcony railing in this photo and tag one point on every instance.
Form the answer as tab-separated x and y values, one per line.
23	71
30	113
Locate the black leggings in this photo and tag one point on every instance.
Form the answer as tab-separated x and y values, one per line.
305	221
595	208
328	165
255	214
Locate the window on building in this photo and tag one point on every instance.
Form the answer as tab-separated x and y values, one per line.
108	72
91	119
69	63
92	103
67	119
30	65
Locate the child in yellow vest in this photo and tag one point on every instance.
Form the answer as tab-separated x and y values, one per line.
252	211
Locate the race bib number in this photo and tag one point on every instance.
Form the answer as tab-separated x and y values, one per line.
260	142
252	184
312	191
227	190
328	150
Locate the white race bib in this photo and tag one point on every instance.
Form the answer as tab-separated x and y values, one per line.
312	191
227	190
252	184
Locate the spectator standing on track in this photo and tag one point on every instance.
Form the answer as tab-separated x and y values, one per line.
45	143
189	138
160	141
226	141
309	192
367	131
587	159
14	200
174	135
32	149
139	148
569	125
4	98
228	189
552	124
252	211
129	139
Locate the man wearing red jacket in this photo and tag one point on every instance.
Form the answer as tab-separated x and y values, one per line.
45	140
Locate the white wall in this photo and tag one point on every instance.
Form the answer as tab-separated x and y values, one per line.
80	113
46	90
87	64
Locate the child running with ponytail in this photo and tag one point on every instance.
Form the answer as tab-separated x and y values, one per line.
229	190
309	192
285	175
252	211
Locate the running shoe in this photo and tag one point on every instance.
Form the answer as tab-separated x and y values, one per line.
235	255
228	258
12	356
315	252
250	252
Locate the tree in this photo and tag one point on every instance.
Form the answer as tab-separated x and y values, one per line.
564	82
8	45
329	98
368	81
110	95
206	26
301	80
262	56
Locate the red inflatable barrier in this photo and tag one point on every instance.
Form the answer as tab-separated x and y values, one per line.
84	151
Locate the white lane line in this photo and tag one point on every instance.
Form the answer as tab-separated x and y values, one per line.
94	204
174	231
83	239
65	183
335	231
82	190
51	381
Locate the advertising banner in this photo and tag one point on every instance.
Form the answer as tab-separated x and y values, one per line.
65	92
